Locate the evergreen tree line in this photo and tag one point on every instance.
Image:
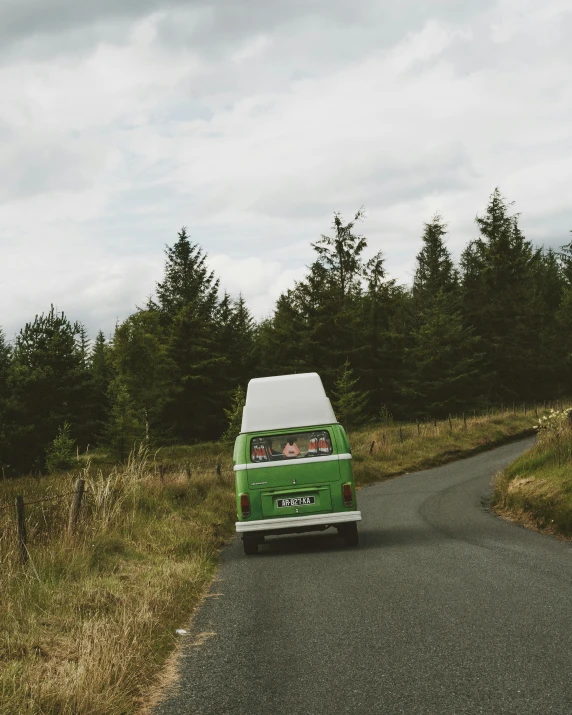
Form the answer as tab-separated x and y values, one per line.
495	328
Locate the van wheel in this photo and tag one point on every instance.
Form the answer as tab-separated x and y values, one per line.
349	533
250	545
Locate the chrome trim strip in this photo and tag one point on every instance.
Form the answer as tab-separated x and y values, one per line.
290	462
288	522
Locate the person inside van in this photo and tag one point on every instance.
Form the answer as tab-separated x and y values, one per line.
291	449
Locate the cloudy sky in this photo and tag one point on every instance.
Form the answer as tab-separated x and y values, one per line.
250	122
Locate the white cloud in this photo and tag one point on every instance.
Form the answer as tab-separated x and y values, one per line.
260	282
251	48
251	133
98	291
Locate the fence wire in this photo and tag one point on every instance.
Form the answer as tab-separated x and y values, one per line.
39	501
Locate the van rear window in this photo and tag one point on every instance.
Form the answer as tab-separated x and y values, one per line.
298	445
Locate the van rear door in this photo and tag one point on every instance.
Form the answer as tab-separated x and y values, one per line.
315	470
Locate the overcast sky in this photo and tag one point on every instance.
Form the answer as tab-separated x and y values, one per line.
250	122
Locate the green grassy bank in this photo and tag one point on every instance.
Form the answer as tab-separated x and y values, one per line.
88	622
536	489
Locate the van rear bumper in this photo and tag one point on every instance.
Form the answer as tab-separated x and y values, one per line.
298	522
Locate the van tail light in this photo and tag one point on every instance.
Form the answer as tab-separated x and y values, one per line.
245	505
347	494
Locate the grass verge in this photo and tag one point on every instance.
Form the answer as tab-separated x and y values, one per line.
89	622
389	450
536	489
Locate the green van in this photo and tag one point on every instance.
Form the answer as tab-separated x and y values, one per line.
292	463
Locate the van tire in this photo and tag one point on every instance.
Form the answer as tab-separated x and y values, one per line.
250	544
349	533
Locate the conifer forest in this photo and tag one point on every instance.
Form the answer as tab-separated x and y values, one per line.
494	329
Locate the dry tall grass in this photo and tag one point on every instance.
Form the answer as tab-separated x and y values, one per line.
88	623
385	450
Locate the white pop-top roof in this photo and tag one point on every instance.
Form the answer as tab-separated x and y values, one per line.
286	401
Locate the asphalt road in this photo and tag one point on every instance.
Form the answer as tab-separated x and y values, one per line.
442	608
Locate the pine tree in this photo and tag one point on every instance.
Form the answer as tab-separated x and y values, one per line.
498	301
332	297
83	345
61	454
547	288
124	430
341	255
234	415
283	341
101	374
141	360
349	403
188	306
235	338
5	366
565	258
435	273
188	280
200	390
330	326
379	361
563	321
443	363
47	386
83	411
316	325
241	348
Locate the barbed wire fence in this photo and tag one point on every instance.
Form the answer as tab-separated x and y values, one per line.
19	505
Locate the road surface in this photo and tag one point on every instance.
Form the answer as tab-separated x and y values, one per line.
443	608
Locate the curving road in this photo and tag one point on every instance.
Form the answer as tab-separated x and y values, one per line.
442	609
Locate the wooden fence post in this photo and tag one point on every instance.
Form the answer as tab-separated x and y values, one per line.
76	505
371	446
161	473
401	435
188	471
21	529
464	421
218	472
450	425
418	428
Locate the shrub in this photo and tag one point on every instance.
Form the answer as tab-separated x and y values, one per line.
60	455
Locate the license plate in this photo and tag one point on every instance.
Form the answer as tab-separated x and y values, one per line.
295	501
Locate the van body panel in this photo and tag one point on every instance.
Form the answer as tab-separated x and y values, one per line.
319	477
283	475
